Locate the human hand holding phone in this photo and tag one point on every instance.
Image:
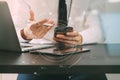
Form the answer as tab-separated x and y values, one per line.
67	36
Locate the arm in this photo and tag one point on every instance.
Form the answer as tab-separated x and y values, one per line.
90	34
20	15
93	34
25	24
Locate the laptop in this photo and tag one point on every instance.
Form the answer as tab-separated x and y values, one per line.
8	36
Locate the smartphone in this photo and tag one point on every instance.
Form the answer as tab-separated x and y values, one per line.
62	30
54	51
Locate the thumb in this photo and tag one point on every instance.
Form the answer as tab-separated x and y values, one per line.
32	18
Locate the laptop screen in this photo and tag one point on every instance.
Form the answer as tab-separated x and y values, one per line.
8	36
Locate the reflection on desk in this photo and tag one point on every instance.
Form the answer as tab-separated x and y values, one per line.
97	60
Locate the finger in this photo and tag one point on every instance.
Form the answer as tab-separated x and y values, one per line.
72	34
72	42
51	21
65	37
40	23
32	18
43	21
65	41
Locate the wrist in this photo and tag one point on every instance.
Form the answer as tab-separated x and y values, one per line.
23	35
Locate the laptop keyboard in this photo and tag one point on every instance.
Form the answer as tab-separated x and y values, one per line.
30	47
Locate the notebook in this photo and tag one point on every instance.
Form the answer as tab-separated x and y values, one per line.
8	37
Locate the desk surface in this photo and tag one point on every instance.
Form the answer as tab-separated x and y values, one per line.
102	58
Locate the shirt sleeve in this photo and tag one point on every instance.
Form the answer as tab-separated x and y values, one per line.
93	33
20	13
20	37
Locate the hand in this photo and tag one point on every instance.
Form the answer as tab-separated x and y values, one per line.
37	30
71	38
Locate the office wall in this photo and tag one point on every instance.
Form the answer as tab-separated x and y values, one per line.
112	7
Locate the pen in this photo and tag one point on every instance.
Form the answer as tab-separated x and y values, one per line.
47	24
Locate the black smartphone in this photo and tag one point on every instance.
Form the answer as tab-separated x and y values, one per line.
54	51
62	30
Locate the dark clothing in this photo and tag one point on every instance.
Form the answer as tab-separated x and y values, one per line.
62	13
61	77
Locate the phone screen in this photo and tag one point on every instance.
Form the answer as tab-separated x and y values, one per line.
62	52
